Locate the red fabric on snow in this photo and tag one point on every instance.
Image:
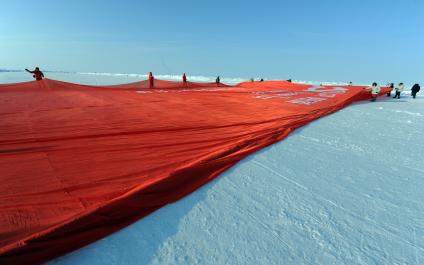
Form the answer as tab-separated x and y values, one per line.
79	162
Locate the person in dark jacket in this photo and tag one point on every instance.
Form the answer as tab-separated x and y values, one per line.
151	80
184	78
414	90
38	75
391	86
218	80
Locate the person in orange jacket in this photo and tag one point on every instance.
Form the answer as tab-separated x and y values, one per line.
151	80
38	75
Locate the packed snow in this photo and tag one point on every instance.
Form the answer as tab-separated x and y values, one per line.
345	189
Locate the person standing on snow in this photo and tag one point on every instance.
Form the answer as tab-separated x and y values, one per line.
374	90
184	78
151	80
38	75
399	88
218	80
414	90
391	86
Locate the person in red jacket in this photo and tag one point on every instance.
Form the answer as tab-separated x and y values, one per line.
151	80
38	75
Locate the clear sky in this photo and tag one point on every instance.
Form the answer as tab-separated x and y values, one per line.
328	40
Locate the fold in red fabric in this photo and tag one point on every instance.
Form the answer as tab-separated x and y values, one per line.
79	162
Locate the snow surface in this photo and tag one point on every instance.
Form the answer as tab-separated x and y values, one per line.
345	189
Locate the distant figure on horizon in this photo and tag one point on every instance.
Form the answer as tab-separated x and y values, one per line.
399	88
151	80
350	83
262	79
218	80
391	86
289	80
414	90
38	75
374	90
184	78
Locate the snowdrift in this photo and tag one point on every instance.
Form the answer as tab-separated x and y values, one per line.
79	162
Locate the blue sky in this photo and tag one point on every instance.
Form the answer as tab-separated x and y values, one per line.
324	40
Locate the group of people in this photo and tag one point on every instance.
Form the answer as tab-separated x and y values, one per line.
398	89
375	90
38	75
253	80
151	79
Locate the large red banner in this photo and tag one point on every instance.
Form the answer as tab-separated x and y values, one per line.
80	162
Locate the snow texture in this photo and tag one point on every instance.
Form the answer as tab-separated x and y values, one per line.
345	189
